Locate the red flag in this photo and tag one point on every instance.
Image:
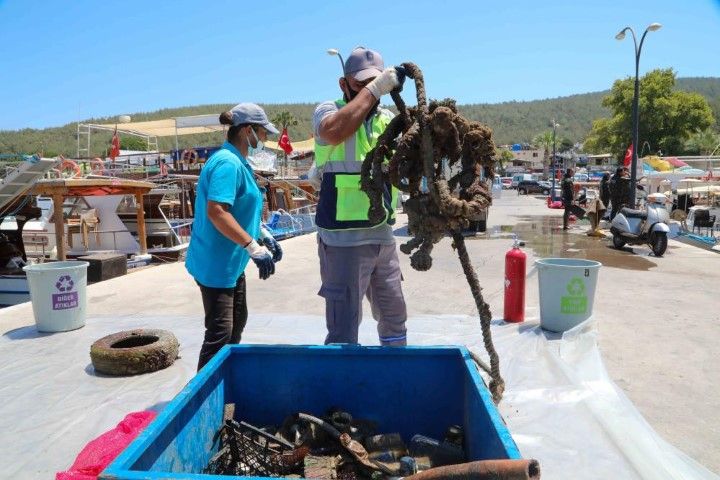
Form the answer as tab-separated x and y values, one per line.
115	145
628	156
284	142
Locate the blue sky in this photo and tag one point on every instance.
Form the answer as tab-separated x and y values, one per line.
65	61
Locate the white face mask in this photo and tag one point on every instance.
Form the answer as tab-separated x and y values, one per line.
262	160
253	151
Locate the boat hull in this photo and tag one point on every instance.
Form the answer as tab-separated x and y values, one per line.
13	290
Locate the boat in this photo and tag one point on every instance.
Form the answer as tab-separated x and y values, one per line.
692	197
168	215
702	241
16	209
13	283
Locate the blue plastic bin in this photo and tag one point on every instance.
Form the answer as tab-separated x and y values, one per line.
407	390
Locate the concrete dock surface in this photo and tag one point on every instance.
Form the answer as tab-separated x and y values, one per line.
658	318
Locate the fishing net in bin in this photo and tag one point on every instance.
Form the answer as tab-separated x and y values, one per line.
249	451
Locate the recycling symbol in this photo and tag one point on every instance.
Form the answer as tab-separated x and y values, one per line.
65	283
576	287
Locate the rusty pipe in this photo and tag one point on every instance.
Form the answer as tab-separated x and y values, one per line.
483	470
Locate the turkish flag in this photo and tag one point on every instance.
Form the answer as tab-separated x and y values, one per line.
284	142
115	145
628	156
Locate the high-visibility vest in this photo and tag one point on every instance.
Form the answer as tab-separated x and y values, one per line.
342	205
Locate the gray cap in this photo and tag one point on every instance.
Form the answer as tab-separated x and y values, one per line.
251	113
363	64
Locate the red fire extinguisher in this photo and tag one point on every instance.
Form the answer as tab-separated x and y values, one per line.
515	284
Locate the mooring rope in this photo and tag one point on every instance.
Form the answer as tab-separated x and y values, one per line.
418	143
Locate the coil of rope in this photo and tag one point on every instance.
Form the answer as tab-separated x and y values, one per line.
416	144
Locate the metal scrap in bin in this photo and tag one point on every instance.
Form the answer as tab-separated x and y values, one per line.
407	391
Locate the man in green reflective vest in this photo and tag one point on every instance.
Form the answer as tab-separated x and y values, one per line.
357	258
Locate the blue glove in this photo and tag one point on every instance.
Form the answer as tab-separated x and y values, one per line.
262	258
274	248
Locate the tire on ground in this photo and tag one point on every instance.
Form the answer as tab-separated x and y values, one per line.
134	351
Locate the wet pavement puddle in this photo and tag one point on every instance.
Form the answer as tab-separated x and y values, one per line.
546	238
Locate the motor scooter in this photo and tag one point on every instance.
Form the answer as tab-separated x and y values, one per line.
647	226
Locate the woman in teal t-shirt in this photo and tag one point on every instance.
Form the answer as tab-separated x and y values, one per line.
228	208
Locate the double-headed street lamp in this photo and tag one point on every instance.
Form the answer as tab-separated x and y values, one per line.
638	49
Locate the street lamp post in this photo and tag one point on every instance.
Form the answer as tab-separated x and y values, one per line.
636	113
335	51
554	161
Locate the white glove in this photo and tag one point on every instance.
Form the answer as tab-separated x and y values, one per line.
384	83
263	259
257	251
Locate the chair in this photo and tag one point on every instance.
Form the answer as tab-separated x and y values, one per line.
89	220
703	219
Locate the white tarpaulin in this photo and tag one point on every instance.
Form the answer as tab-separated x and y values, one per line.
559	404
212	120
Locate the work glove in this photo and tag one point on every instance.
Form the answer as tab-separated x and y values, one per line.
262	258
274	248
390	79
269	241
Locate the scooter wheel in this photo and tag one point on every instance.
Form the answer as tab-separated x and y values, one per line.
618	241
659	243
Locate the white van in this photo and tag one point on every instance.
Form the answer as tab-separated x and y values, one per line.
519	177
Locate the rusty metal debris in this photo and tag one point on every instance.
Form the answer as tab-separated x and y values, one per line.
305	446
483	470
247	450
420	143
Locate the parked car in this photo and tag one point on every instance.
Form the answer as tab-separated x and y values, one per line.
581	177
532	186
506	182
545	183
519	177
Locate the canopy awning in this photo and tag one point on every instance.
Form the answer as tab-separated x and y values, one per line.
168	127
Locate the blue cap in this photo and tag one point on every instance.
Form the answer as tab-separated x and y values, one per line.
251	113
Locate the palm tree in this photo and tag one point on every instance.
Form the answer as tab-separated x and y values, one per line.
504	157
545	140
284	120
703	142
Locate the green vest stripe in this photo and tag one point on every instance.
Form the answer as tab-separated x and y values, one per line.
352	203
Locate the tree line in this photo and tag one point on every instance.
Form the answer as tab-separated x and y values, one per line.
600	120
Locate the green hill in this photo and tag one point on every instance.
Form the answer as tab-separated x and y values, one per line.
511	121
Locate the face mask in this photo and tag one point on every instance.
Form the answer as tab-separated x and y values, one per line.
353	93
263	160
349	94
253	151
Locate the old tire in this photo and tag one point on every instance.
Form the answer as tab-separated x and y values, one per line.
134	351
659	243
